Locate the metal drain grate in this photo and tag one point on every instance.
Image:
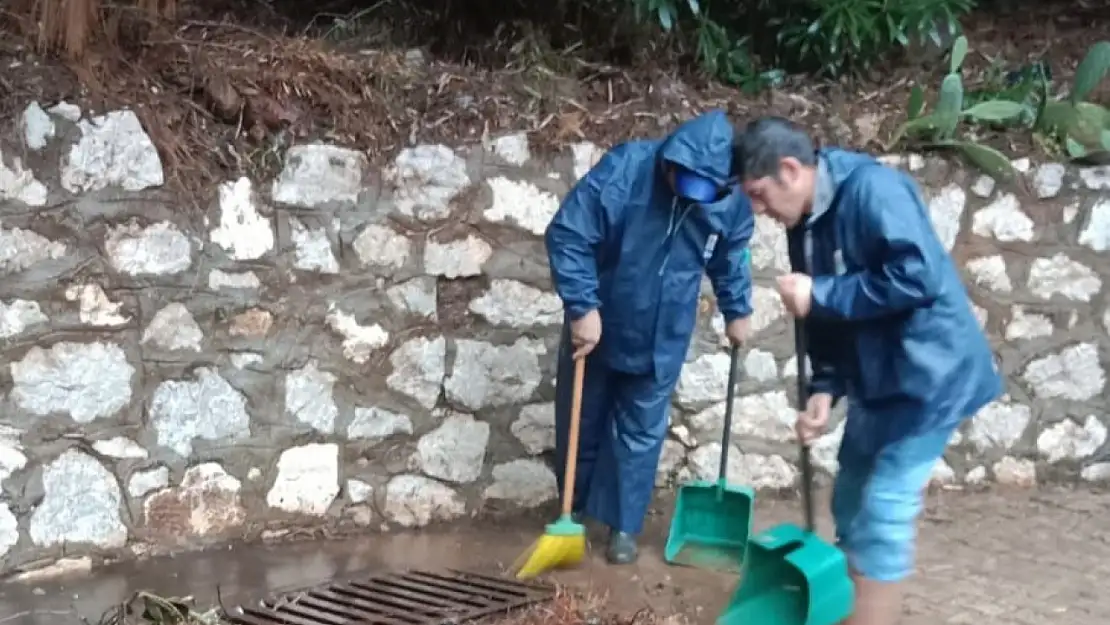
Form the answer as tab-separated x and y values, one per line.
411	598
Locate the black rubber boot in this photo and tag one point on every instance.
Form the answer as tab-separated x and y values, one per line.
622	548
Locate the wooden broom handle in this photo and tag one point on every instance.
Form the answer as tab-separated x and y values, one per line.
572	436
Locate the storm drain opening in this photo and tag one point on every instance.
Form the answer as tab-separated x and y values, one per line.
409	598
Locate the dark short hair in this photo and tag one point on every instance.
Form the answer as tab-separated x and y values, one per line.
758	149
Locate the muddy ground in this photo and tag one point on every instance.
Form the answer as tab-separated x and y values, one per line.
1024	558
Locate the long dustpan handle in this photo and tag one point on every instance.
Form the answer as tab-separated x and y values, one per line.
730	397
572	436
803	400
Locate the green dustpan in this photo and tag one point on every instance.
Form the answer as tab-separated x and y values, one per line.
791	576
712	522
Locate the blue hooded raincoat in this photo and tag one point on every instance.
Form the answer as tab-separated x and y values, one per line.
891	324
623	244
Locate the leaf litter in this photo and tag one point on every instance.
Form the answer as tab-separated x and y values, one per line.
222	97
567	608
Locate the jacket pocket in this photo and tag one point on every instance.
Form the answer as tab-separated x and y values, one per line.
876	350
679	302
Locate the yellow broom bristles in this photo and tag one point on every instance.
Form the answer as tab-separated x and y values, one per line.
548	553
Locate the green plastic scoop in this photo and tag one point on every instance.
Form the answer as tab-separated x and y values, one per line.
712	521
791	576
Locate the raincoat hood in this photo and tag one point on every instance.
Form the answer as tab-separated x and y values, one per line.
702	145
841	163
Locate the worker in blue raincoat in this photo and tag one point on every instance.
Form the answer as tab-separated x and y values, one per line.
890	327
627	249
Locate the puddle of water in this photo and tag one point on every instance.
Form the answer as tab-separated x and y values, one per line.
244	573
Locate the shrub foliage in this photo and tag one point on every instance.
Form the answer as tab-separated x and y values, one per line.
746	42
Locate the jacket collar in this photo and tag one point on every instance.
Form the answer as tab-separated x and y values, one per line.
823	192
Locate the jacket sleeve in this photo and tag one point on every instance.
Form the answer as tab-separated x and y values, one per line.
820	350
575	235
729	269
889	223
825	378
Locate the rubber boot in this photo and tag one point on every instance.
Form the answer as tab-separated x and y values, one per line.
622	548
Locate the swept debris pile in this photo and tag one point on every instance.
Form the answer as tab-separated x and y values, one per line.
144	608
568	608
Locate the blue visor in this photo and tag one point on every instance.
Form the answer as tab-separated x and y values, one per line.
695	188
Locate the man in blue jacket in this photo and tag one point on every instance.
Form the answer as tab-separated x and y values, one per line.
628	248
891	328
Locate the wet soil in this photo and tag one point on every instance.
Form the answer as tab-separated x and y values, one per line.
988	559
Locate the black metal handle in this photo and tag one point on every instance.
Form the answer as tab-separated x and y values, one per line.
730	397
803	400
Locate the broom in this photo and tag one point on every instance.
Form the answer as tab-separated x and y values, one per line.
563	542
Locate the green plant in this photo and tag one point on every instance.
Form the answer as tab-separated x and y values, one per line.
755	42
665	11
1015	100
723	56
721	51
834	37
939	129
1081	128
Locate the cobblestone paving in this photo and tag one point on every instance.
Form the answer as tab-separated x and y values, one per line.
1041	558
1018	558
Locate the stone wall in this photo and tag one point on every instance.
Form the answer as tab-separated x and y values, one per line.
375	348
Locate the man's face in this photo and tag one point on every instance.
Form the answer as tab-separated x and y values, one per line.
784	198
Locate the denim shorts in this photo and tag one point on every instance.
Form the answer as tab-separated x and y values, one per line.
878	494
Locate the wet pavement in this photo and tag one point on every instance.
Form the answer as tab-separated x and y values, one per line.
1005	559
